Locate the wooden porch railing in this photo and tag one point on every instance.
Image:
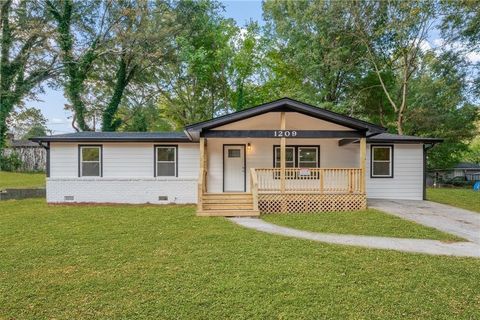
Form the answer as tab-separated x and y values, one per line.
310	180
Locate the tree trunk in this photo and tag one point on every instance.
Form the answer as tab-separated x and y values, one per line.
109	123
400	123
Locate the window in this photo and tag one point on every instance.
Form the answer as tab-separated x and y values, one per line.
308	157
234	153
289	157
90	161
382	162
298	156
166	161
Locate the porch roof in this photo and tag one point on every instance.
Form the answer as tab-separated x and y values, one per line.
390	138
92	136
286	105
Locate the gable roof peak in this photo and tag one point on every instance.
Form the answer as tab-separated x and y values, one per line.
287	104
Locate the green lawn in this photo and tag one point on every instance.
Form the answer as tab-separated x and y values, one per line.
21	180
462	198
368	222
162	262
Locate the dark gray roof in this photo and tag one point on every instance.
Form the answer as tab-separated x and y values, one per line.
91	136
390	137
23	144
287	104
467	165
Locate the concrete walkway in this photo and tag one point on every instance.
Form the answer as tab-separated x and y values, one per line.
434	247
460	222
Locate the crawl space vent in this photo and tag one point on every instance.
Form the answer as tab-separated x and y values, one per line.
68	198
162	198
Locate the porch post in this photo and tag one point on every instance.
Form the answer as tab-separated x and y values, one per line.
202	183
363	155
282	153
203	153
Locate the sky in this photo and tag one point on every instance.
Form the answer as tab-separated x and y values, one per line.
242	11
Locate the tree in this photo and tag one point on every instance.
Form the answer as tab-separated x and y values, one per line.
26	123
313	54
473	152
440	106
82	32
143	38
133	36
26	59
195	85
461	22
246	62
393	33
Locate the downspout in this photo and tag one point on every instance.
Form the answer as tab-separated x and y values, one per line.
426	147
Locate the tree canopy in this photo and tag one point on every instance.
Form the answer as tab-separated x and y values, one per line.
138	65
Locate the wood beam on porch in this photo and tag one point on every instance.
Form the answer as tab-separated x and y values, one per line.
298	134
344	142
363	156
202	183
283	144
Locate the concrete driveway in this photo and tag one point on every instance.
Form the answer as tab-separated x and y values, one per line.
460	222
463	223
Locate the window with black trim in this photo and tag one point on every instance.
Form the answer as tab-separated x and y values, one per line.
165	161
90	161
382	162
298	156
307	157
289	157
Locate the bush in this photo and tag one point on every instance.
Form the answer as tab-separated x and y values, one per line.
10	162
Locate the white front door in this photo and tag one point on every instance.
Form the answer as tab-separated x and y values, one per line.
234	168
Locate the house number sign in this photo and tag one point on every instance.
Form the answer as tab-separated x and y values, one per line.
285	133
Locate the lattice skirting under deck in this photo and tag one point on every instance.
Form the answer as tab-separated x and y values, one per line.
297	203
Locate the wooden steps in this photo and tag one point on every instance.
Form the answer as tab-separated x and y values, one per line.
227	205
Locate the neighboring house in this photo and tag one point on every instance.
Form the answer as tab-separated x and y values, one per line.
467	170
32	155
282	156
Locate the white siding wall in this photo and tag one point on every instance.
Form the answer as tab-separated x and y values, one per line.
128	175
261	156
407	181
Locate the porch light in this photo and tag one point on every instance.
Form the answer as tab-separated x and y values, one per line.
249	146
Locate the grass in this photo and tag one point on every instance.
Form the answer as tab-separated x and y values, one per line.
462	198
368	222
16	180
162	262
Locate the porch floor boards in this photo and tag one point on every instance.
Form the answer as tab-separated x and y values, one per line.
227	205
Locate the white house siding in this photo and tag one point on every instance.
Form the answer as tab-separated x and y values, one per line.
407	181
261	156
128	175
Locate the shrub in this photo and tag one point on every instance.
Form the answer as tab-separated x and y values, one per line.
10	162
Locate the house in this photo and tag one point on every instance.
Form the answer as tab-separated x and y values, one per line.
466	170
31	155
282	156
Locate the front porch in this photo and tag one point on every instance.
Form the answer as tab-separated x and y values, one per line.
292	185
247	167
288	190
